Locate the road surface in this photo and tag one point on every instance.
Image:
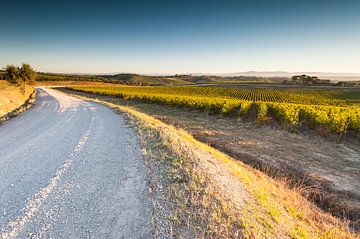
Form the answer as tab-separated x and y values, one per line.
71	169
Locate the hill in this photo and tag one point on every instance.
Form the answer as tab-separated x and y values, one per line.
324	75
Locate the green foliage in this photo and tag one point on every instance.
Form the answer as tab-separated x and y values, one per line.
20	76
261	111
12	74
330	116
296	96
288	113
27	74
245	108
230	106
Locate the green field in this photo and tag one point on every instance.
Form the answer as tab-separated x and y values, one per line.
335	110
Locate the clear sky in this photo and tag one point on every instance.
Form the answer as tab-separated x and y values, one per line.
205	36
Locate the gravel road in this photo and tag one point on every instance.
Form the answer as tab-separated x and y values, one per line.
71	169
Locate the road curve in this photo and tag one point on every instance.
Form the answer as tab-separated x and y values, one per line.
71	169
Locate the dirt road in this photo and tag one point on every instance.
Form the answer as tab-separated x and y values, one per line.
71	169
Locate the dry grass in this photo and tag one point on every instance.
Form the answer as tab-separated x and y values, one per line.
258	205
195	209
231	198
11	98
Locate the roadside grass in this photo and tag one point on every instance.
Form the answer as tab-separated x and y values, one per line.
215	196
196	209
11	98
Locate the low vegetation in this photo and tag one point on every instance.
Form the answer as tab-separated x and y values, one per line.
296	96
331	110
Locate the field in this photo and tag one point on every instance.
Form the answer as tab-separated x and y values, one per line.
11	98
231	120
336	111
324	171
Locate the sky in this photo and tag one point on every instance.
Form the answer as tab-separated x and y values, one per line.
189	36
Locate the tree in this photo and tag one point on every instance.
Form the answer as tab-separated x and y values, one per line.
27	74
12	74
20	76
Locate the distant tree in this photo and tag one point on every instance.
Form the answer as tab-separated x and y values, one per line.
305	79
295	78
20	76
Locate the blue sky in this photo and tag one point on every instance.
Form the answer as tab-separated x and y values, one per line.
181	36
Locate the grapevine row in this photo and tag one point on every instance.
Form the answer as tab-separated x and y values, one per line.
331	117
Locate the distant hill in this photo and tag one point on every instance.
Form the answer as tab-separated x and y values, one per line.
180	79
134	79
323	75
249	77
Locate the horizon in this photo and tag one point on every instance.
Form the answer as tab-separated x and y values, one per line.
222	74
165	38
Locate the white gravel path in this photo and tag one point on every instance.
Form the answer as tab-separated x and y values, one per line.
71	169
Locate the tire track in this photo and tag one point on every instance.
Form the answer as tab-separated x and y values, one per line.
32	207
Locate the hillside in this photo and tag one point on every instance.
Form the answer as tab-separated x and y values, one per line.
135	79
335	77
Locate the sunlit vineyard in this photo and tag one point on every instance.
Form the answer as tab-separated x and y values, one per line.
297	96
335	110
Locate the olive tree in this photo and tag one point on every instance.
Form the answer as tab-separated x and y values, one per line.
12	74
20	76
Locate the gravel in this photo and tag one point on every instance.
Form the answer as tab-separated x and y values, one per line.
71	169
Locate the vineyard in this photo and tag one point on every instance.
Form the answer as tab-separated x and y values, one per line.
336	110
297	96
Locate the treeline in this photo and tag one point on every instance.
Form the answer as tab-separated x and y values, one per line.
307	80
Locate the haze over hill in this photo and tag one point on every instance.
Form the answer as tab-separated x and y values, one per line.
334	76
325	75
